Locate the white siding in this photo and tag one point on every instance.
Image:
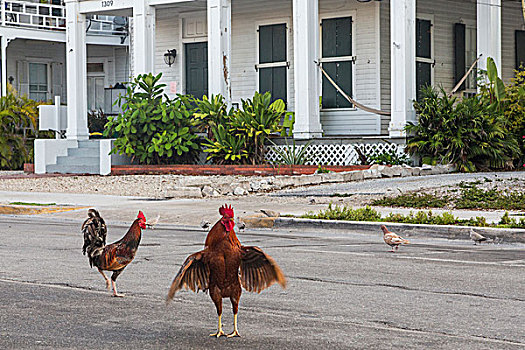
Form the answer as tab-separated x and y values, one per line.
246	16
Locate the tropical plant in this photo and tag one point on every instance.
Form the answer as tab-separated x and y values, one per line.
257	120
389	158
18	128
471	134
226	148
514	109
97	120
153	129
209	113
292	154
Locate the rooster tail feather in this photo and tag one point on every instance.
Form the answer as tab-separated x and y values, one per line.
95	232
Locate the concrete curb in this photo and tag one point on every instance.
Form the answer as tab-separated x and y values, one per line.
407	230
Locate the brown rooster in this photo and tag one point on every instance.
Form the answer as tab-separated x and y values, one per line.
113	257
216	269
392	239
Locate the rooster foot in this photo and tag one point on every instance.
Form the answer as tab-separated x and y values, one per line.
108	285
119	295
235	333
218	334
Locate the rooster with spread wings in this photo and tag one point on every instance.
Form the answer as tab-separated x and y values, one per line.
216	269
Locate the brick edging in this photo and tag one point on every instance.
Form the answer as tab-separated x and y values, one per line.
248	170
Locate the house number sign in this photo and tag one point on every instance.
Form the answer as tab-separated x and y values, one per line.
107	3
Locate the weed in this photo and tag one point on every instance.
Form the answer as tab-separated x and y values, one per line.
413	200
33	204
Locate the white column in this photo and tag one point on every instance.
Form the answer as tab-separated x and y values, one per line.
143	38
76	72
403	64
219	48
306	74
3	49
489	32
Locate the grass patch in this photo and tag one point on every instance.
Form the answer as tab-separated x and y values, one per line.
33	204
337	212
468	196
413	200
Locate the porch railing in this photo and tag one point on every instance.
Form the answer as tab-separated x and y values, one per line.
52	16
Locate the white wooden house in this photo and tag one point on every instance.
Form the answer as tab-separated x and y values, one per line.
379	51
33	51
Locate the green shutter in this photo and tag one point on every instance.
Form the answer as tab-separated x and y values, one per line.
337	42
459	54
520	48
272	48
423	38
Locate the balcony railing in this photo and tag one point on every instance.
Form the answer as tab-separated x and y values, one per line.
52	16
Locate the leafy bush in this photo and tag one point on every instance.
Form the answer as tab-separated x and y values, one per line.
18	128
257	120
389	158
153	129
336	212
210	113
97	120
471	134
244	132
413	200
514	110
226	148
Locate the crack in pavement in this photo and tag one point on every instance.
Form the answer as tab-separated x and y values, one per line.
357	284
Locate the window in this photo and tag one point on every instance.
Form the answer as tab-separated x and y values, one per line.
337	61
471	54
424	61
273	62
95	92
38	81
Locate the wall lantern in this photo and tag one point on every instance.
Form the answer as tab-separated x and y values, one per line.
169	57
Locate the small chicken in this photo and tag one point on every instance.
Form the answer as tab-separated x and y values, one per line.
205	224
224	266
153	222
392	239
477	238
113	257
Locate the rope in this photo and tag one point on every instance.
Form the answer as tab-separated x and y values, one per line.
455	89
351	100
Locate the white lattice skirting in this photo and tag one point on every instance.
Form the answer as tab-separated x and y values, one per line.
332	154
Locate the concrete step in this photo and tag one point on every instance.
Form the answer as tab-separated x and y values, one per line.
82	152
67	169
78	160
89	144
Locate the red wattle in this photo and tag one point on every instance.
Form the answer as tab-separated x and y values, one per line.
228	224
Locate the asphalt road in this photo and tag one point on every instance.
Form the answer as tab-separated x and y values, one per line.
345	291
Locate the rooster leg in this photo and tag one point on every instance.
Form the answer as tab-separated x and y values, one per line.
114	284
217	299
108	284
235	306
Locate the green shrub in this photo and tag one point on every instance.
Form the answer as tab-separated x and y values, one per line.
336	212
153	129
389	158
413	200
257	120
292	154
225	147
18	128
245	132
471	134
97	120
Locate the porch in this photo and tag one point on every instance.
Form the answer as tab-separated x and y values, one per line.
237	47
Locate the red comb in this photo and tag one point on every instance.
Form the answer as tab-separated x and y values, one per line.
226	211
141	216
